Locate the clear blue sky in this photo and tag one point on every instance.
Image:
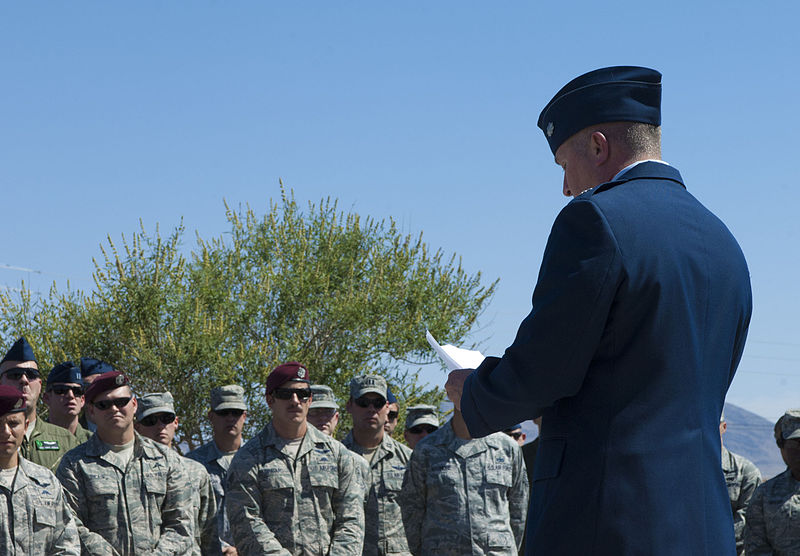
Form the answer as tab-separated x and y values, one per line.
422	111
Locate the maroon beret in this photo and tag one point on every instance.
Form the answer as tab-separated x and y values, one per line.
11	400
292	370
105	382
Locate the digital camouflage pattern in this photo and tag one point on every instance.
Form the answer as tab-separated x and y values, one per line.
217	466
40	521
465	496
204	509
742	478
773	518
384	532
305	506
47	444
145	508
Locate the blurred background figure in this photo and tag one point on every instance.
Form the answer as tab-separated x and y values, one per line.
324	411
421	421
394	413
64	399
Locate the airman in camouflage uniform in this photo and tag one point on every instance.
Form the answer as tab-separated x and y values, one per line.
773	515
34	519
742	478
227	415
293	490
387	460
465	496
44	444
130	495
156	420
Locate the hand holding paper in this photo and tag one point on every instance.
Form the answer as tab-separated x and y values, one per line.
461	363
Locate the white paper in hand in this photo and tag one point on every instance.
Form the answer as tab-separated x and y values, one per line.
455	357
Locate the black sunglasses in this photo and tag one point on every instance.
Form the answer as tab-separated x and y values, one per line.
514	435
419	429
163	418
226	412
17	372
102	405
287	393
63	390
377	403
393	415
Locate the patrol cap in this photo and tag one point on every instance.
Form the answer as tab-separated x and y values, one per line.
389	395
155	402
365	384
11	400
291	371
788	425
64	373
20	351
615	94
322	396
91	366
421	415
228	397
105	382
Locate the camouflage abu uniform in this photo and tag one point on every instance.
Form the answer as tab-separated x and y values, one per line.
773	518
465	496
217	466
384	532
312	505
39	521
742	478
204	506
145	508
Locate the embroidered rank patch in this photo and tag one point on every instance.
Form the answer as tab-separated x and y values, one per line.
47	444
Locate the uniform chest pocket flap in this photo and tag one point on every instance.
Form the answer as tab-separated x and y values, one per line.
324	476
155	483
44	517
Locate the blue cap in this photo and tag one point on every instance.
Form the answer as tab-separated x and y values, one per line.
63	373
513	427
389	396
616	94
20	351
91	366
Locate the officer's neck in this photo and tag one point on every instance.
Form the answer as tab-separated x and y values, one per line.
10	461
69	422
226	443
368	438
289	430
459	426
116	437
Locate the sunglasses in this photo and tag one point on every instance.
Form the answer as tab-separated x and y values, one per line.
377	403
17	372
286	393
119	403
514	435
419	429
228	412
63	390
163	418
393	415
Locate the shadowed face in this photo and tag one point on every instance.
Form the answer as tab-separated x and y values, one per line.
160	427
289	403
12	431
113	411
64	399
20	375
369	412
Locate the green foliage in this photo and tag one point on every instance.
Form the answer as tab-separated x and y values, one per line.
342	294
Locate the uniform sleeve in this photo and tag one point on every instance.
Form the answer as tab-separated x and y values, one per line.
751	478
177	529
66	541
413	499
550	356
207	518
347	536
755	531
74	495
243	503
518	497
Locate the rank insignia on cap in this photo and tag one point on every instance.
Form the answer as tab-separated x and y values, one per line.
119	380
301	372
550	129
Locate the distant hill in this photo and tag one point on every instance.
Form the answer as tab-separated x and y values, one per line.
751	436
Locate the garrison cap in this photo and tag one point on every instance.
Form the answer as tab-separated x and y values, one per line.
155	402
91	366
230	396
513	427
11	400
322	396
788	425
64	373
615	94
389	395
365	384
286	372
20	351
421	415
105	382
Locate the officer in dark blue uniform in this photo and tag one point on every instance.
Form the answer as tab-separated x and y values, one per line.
638	323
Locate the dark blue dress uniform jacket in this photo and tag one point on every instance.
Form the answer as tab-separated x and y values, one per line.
638	323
